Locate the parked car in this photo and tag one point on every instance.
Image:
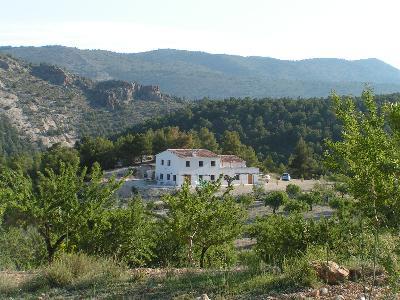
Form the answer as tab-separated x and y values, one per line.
286	177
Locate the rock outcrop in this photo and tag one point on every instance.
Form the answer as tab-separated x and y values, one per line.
52	74
115	93
47	104
331	272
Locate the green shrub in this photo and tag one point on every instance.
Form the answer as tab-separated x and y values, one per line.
340	203
222	256
298	272
79	271
293	190
279	237
246	199
126	234
251	260
21	249
293	206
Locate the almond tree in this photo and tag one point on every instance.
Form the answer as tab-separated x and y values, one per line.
61	203
203	219
368	155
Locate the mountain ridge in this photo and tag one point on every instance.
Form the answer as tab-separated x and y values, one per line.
196	74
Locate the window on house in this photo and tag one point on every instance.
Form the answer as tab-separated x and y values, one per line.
200	177
168	177
212	177
237	177
161	176
187	163
201	163
213	163
168	162
162	162
174	178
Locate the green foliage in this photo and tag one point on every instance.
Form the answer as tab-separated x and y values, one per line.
275	199
279	237
272	127
302	163
11	142
310	199
57	154
201	219
21	249
126	234
61	204
222	256
207	140
369	156
340	203
100	150
78	271
295	206
293	190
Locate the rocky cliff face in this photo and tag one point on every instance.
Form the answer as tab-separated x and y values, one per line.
52	74
110	93
115	93
47	104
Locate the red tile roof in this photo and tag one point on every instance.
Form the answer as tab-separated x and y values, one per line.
230	159
193	153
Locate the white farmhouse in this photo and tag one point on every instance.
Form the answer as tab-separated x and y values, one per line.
174	166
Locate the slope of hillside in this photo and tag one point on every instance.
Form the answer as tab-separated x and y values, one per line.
199	74
47	104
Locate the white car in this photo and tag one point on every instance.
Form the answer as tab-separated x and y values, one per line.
286	177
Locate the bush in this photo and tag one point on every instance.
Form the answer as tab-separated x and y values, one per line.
246	199
293	190
126	234
340	203
81	271
21	249
295	206
280	238
222	256
298	272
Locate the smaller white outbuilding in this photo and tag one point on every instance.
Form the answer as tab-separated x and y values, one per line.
174	166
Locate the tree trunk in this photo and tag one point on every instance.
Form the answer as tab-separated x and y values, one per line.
51	249
202	256
190	251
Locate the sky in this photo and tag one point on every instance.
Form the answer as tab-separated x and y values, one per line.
285	29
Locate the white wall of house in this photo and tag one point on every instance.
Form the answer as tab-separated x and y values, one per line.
172	170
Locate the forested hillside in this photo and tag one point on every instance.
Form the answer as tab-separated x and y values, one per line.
272	127
10	140
197	74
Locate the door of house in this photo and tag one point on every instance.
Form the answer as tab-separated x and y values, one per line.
250	178
187	178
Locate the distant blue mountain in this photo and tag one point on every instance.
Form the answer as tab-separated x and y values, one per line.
198	74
